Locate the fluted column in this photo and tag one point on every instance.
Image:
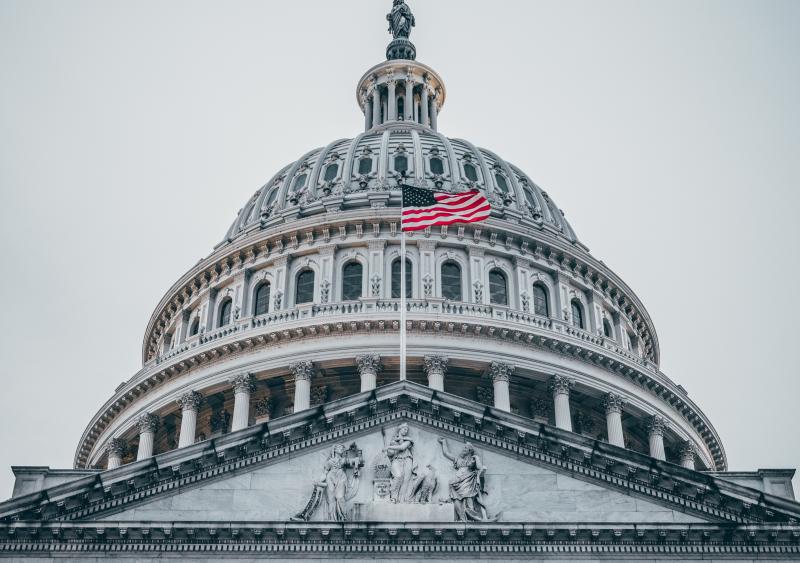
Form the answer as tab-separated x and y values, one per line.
367	113
655	431
376	107
148	424
303	372
423	103
243	386
501	374
116	449
560	386
392	86
434	110
409	101
688	454
613	404
368	367
190	403
435	368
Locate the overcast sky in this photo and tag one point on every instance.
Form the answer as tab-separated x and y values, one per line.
132	132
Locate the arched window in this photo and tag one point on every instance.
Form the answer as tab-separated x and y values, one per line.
396	279
501	183
498	288
352	281
577	314
451	281
262	299
299	183
401	163
225	313
194	328
607	329
401	108
437	166
365	165
331	171
304	292
541	306
529	198
271	197
470	172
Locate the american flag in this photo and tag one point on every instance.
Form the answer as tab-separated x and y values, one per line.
426	208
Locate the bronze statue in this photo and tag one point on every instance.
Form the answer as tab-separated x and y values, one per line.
401	20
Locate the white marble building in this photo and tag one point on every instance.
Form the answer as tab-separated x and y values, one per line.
284	343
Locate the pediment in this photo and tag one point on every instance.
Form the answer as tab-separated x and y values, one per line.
534	473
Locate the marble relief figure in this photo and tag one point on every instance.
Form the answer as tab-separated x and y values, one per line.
468	488
399	451
334	485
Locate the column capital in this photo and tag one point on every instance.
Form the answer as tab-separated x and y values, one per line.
117	447
613	403
370	363
435	363
561	385
656	425
190	401
243	383
148	422
302	370
500	371
688	451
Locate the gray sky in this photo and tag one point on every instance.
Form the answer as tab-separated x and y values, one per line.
132	132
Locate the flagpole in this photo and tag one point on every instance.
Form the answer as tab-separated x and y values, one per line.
402	304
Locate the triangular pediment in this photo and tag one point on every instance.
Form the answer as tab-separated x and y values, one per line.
534	473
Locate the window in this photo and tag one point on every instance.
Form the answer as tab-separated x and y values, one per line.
304	292
272	195
529	198
577	314
396	279
607	329
401	108
194	328
451	281
299	183
401	163
262	299
501	183
437	166
225	313
351	281
498	290
540	304
365	165
470	172
330	172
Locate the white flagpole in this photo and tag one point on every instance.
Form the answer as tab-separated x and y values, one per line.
402	304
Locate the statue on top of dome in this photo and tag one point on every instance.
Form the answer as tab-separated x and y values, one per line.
401	20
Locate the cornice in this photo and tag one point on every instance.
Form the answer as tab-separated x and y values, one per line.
523	329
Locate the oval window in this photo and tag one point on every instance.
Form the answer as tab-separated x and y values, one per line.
330	172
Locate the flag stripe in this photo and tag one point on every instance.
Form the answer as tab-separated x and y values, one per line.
454	219
438	218
469	204
424	208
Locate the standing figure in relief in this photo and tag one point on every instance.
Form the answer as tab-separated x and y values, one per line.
399	452
335	485
467	488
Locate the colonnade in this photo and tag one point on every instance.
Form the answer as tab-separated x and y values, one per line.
420	104
369	365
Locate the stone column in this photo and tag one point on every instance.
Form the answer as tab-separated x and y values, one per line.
688	455
655	430
409	101
148	424
434	110
116	449
367	113
613	404
560	386
376	107
368	367
501	374
243	386
190	403
423	106
302	371
392	86
436	367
